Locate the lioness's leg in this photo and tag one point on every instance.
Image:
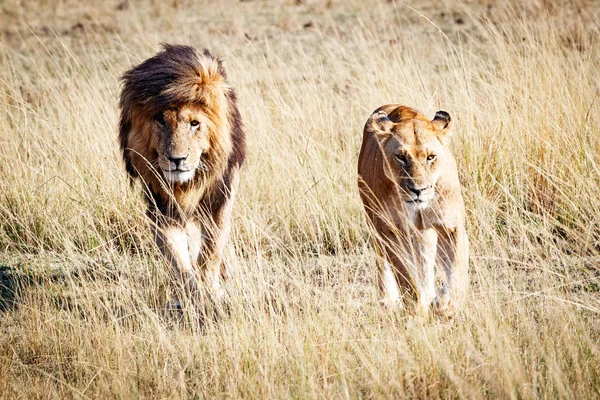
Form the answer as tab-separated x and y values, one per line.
173	242
453	252
398	258
388	286
426	248
413	262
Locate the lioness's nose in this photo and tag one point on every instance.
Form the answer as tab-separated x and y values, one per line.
177	159
416	190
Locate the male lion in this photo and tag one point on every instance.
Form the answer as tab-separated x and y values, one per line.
409	186
181	134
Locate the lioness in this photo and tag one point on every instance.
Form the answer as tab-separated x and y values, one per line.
409	186
181	133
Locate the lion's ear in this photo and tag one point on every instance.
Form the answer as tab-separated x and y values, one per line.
443	124
379	124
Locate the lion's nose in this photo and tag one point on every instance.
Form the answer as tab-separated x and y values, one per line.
177	159
416	190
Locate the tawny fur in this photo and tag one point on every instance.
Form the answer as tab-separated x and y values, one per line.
408	182
181	134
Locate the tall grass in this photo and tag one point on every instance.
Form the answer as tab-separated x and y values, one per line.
84	289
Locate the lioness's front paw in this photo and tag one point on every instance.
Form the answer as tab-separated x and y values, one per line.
392	303
219	294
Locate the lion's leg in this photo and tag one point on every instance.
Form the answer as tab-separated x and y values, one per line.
216	238
453	252
194	235
211	258
174	243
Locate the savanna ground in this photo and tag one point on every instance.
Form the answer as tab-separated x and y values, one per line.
84	289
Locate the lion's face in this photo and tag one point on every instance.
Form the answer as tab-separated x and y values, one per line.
414	152
183	137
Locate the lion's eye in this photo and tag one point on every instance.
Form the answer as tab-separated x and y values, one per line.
194	123
431	157
160	118
401	158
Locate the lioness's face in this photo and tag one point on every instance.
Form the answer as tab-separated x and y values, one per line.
183	138
414	152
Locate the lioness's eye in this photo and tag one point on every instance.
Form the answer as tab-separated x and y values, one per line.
401	158
194	123
431	157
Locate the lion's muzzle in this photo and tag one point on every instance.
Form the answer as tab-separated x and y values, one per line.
178	168
178	160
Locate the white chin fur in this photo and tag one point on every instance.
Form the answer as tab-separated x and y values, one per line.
422	204
418	204
178	176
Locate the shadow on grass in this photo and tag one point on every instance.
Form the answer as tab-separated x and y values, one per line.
9	288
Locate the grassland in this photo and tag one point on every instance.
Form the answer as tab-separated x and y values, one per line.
84	289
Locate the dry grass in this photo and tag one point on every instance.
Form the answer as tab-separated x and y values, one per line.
84	289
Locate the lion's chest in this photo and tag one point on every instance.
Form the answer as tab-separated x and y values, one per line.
187	201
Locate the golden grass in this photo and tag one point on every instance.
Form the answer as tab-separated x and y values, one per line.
84	289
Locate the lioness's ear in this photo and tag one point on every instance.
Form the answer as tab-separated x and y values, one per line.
442	123
379	124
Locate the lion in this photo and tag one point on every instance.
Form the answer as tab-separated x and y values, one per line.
408	183
181	134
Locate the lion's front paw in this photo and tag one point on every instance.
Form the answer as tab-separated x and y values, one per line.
221	300
173	305
442	303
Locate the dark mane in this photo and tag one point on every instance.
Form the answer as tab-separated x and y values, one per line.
150	86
